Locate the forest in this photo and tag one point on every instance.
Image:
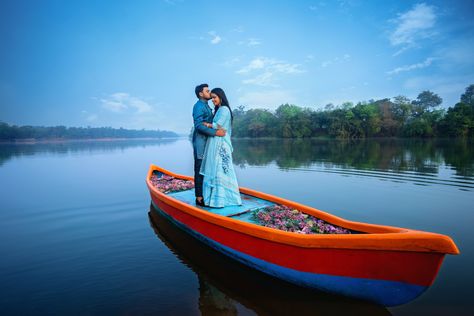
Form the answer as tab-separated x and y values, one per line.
390	117
13	132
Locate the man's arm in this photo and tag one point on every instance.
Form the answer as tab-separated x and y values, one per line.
198	117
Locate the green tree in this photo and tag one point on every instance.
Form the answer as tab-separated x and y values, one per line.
367	119
402	109
319	123
261	123
293	121
425	102
468	96
459	121
425	115
389	125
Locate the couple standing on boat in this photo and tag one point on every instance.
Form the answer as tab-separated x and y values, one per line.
215	181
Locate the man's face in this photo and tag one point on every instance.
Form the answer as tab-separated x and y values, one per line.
205	94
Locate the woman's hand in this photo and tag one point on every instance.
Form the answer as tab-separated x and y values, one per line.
207	124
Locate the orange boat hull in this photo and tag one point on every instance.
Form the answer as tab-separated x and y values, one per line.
386	265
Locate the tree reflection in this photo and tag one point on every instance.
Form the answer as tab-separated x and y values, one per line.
12	150
397	155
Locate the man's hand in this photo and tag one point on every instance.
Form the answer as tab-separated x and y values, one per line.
220	132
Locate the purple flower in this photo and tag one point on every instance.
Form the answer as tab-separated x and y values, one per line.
167	184
288	219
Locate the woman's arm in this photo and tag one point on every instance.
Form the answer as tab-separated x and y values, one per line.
221	117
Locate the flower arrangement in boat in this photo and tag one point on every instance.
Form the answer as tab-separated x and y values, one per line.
168	184
285	218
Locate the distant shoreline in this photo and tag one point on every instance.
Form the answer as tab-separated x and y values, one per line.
32	141
64	140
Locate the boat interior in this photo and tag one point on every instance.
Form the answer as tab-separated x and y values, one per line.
238	212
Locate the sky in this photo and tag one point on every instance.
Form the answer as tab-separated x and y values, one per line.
134	64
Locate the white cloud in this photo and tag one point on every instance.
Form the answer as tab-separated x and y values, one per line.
253	42
412	26
269	68
215	39
324	64
336	60
257	63
287	68
269	99
92	118
265	80
232	61
317	6
271	64
424	64
140	105
113	106
124	110
89	117
121	101
250	42
238	29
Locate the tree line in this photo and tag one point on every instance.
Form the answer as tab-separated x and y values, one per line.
390	117
12	132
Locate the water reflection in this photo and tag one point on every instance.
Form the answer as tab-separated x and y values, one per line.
225	283
9	151
417	160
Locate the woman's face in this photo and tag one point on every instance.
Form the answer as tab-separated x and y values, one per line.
215	99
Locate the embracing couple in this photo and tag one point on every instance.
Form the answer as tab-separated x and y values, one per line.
214	175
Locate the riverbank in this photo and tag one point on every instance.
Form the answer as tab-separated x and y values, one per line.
63	140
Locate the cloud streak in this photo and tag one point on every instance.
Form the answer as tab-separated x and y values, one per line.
405	68
336	60
412	26
251	42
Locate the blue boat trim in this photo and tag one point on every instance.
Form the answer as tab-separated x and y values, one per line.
383	292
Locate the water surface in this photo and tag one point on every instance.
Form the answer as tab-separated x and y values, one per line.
77	234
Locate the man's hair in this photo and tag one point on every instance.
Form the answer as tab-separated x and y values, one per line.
200	88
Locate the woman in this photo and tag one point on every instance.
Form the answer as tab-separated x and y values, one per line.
220	186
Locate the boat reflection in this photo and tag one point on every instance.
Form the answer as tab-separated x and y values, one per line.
223	282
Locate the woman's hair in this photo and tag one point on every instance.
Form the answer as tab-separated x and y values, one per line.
224	102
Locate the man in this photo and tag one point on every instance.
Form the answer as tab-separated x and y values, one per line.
202	113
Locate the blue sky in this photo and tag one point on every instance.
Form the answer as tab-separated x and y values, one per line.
135	64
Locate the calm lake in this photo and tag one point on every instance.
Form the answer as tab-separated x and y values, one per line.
77	235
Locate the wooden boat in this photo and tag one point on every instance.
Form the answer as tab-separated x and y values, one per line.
259	292
382	264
